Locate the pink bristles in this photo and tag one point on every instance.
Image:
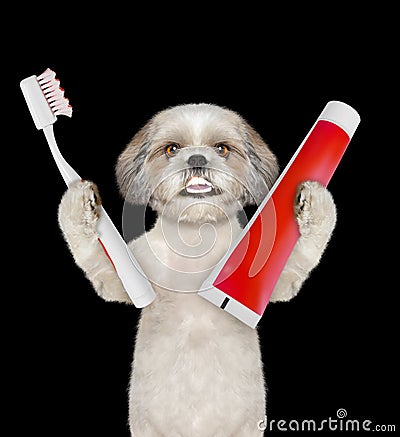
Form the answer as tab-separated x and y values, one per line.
54	94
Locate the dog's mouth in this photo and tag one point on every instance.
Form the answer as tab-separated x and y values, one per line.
198	186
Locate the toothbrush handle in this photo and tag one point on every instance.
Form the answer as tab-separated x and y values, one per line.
130	273
67	172
128	269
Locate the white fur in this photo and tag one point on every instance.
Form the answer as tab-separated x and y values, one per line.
197	371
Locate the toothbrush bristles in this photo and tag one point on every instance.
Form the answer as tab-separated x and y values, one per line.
54	93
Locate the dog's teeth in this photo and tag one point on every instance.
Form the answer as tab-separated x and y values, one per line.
197	184
196	180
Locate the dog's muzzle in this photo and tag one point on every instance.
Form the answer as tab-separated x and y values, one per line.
197	183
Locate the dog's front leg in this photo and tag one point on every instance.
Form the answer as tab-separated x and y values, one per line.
77	217
316	217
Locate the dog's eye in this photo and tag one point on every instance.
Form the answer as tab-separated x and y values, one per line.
222	149
171	149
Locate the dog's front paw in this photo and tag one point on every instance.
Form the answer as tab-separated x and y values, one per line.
314	209
79	207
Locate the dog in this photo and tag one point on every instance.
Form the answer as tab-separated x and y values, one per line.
197	371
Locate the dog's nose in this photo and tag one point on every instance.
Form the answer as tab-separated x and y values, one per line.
197	161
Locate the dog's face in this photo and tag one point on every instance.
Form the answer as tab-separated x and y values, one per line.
198	163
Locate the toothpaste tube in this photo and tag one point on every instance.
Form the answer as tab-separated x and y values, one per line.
243	281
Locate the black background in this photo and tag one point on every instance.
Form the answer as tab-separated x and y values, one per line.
335	345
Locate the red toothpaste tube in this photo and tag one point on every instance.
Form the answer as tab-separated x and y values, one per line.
243	281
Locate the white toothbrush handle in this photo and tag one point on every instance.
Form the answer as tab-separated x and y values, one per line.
128	269
130	273
67	172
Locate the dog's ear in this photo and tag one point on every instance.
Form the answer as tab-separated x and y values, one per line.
264	164
131	178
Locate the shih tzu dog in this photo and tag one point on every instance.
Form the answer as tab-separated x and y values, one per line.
197	370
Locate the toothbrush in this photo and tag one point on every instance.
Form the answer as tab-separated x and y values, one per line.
243	281
45	100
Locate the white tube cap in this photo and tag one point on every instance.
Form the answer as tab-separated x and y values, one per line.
341	114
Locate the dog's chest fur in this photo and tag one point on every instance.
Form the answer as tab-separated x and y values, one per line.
193	362
178	257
